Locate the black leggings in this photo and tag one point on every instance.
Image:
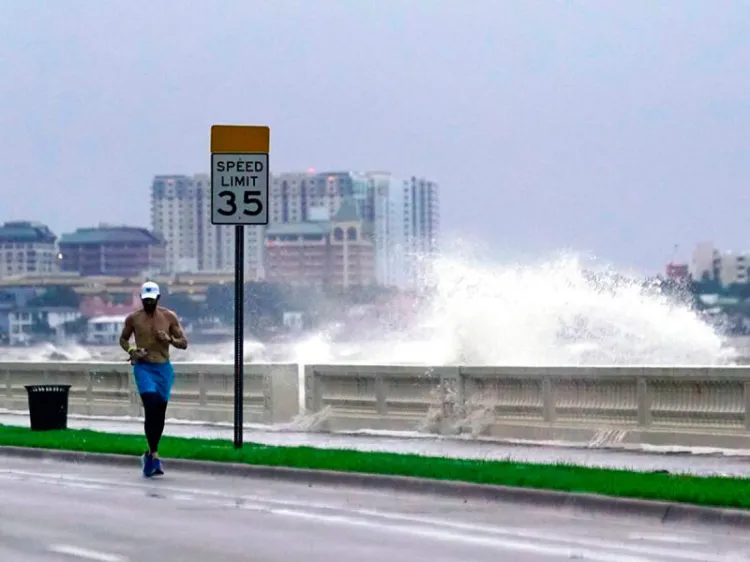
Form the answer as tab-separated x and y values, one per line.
156	411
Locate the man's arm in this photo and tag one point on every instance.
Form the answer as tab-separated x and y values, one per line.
179	340
127	331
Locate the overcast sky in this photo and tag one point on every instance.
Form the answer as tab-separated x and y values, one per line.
619	128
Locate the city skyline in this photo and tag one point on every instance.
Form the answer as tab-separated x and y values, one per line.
399	218
38	251
404	214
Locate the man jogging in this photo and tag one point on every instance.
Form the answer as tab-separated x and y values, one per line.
155	328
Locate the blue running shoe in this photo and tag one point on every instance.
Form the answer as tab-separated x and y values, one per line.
158	468
147	464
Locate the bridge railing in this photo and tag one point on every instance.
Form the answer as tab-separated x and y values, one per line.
692	406
202	392
661	405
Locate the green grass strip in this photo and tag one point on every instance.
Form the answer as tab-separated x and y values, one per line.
700	490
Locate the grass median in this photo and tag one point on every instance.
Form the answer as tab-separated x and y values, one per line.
709	491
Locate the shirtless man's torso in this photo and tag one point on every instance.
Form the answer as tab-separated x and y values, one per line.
147	327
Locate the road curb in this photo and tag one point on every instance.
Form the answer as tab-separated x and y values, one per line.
665	512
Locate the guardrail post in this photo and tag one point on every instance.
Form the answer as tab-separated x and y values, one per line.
202	391
267	395
313	392
452	411
89	405
8	385
460	388
280	391
380	395
548	399
644	401
135	404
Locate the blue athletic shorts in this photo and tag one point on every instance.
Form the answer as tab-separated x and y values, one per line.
154	377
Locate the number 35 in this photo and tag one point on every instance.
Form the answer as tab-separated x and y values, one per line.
251	200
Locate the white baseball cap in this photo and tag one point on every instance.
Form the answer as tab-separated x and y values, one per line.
149	290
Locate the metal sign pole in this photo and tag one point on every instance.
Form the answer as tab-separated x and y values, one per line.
239	196
239	331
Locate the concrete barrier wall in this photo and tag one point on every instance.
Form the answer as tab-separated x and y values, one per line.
201	392
375	397
593	405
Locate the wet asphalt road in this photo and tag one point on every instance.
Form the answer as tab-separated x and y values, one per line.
65	512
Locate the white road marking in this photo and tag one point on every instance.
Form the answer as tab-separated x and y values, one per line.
532	534
81	485
85	553
675	539
478	540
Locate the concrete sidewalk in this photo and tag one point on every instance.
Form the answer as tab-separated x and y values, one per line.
699	464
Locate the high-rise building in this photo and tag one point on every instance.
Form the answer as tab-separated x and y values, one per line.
727	267
389	229
298	197
291	196
310	196
421	223
181	212
174	214
404	214
406	226
27	248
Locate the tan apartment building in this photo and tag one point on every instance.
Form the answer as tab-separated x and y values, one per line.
27	248
335	253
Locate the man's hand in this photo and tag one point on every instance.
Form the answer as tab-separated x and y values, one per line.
137	354
163	336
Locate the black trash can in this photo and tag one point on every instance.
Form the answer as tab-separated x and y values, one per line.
48	406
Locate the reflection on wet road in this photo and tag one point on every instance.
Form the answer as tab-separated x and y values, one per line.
64	512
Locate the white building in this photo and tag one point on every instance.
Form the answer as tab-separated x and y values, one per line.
389	230
733	268
24	324
104	329
27	248
181	212
406	227
174	214
422	215
727	267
